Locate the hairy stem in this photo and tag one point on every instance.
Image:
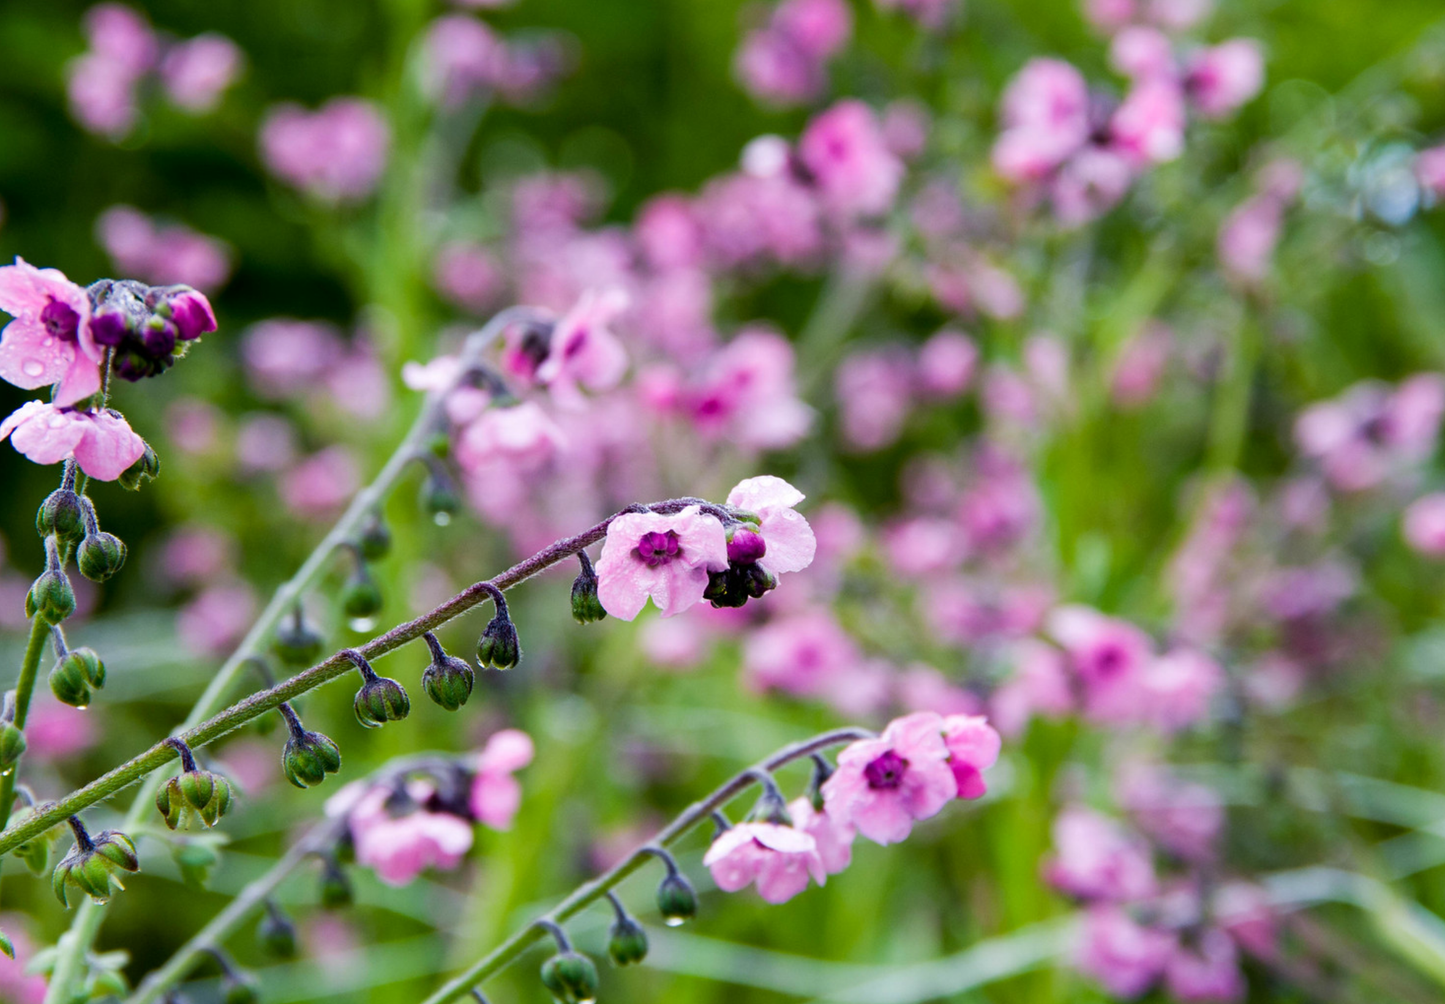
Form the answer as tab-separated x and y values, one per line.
89	915
24	687
506	953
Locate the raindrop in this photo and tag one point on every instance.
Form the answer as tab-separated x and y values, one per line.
32	367
673	921
81	707
361	623
442	518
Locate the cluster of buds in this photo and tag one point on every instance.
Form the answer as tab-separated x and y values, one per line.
93	864
194	794
744	578
146	328
308	756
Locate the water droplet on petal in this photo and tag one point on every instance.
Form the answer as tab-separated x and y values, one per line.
361	623
442	518
32	367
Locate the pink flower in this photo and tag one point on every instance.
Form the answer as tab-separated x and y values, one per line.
1149	126
49	341
522	437
773	69
746	393
583	350
1430	171
1178	688
123	36
1045	113
265	442
285	356
1092	182
1108	655
802	654
497	795
883	785
1369	432
1207	971
1185	818
55	731
834	839
101	92
1244	910
771	217
197	72
322	483
1140	52
399	839
778	858
1040	686
463	56
1424	524
336	153
1179	15
102	443
1109	15
819	28
215	621
787	537
946	365
1096	858
666	558
668	232
875	394
973	747
1125	957
1140	366
162	254
849	160
18	983
1248	236
467	275
1222	78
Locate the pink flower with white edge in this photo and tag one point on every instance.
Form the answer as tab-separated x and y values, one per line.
661	557
497	795
1424	525
49	341
523	437
834	839
787	541
399	839
780	859
1124	956
1096	858
102	442
1206	971
850	162
882	786
583	351
973	747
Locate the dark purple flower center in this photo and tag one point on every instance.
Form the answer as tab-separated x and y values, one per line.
656	549
1109	660
886	772
60	320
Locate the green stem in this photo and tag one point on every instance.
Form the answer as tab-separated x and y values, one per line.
24	687
1229	423
699	812
88	918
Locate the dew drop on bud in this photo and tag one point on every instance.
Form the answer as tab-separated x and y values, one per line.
442	518
674	921
361	624
81	707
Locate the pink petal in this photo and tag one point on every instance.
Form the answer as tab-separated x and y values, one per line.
109	447
495	800
790	540
507	751
49	436
80	381
765	491
27	361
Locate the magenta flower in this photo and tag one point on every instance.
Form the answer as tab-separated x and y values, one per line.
399	842
336	153
789	544
496	794
666	558
1045	115
1109	656
49	341
1178	688
834	839
197	72
780	859
583	351
1096	858
804	654
1206	971
1124	956
973	747
849	159
1371	430
1149	126
746	393
883	785
102	443
1222	78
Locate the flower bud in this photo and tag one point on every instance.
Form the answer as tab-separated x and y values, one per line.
745	546
586	607
51	597
570	977
101	555
335	887
238	988
628	942
676	900
12	746
381	700
757	580
75	673
146	468
194	795
439	498
186	308
93	866
499	647
308	758
448	682
276	934
194	859
296	642
361	596
61	516
374	540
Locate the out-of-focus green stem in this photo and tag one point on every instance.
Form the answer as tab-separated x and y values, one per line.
24	687
1229	420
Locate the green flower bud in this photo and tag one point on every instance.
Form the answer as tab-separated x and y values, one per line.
335	887
676	900
147	468
12	746
94	866
101	555
276	934
439	499
238	988
296	642
628	942
74	674
586	607
51	597
194	796
308	758
379	701
361	596
61	516
499	646
448	680
570	977
195	859
374	541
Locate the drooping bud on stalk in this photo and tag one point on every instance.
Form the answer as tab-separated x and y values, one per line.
275	933
51	598
822	770
297	643
92	866
193	794
448	680
586	607
772	807
12	740
438	497
239	988
380	699
374	540
499	647
335	887
627	941
146	468
60	515
100	556
676	898
308	756
75	673
361	596
570	977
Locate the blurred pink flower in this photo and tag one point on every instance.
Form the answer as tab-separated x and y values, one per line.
1148	127
1039	686
1124	956
779	859
1185	818
583	349
1222	78
122	35
1178	688
215	621
284	356
973	747
882	786
1109	15
265	442
1091	183
251	764
1205	969
322	483
101	84
192	555
1424	524
1245	911
1095	858
923	688
664	558
674	642
496	795
1179	15
17	984
801	654
875	394
468	276
1430	171
906	124
336	153
925	545
49	341
1372	431
197	72
1140	366
748	218
834	840
782	62
746	393
1045	115
162	254
464	56
1142	52
193	424
844	150
668	232
102	443
1110	658
946	365
55	731
399	839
